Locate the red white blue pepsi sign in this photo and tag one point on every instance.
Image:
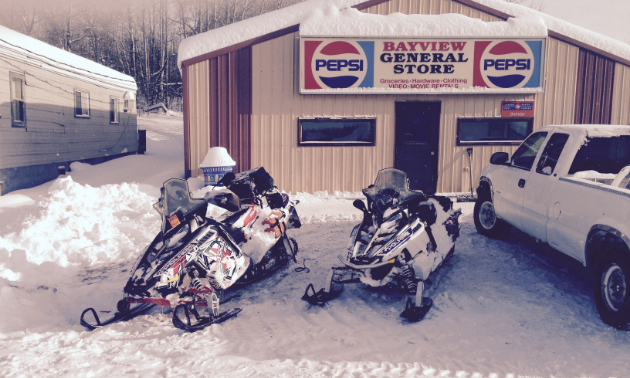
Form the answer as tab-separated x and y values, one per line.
421	65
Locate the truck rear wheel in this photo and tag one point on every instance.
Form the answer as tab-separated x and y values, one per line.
612	289
486	220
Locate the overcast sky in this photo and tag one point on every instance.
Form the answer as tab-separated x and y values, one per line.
608	17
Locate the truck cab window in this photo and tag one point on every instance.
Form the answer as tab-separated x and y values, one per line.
605	155
526	154
551	153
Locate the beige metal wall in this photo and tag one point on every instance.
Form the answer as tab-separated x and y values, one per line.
199	113
557	104
621	96
53	134
277	106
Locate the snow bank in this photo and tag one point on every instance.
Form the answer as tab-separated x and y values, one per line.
79	225
333	22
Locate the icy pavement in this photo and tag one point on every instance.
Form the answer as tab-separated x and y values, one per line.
502	308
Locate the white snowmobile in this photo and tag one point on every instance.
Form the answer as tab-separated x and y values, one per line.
404	236
195	259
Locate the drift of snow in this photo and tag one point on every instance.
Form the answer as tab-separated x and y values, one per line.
350	22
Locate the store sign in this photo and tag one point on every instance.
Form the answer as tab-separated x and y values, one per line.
420	65
520	109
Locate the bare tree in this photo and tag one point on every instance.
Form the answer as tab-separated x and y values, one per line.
137	37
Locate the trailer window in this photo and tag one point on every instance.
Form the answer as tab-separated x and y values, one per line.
602	155
551	153
336	132
493	131
113	110
18	106
526	154
81	104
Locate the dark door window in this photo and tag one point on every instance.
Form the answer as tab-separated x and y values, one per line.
417	140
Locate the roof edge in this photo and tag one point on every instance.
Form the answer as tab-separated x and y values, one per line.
238	46
484	8
371	3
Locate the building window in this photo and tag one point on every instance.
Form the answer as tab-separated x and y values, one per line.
493	131
336	132
113	110
18	106
81	104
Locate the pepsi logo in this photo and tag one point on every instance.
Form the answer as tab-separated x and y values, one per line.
507	64
339	64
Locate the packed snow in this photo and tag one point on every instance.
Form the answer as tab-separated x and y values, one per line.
344	21
502	308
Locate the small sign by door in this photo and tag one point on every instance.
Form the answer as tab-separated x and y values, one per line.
520	109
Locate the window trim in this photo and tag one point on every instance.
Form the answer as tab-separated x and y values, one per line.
22	77
117	121
89	107
530	127
372	120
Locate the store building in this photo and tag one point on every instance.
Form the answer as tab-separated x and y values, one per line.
323	94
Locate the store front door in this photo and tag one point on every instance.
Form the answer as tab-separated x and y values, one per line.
417	142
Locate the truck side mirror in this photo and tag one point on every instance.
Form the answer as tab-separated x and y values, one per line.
499	158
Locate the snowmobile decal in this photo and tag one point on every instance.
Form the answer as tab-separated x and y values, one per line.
392	245
174	221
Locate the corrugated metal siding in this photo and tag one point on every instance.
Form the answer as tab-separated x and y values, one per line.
219	106
621	96
556	105
428	7
198	89
277	106
594	92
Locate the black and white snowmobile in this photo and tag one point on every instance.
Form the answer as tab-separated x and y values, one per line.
195	259
404	236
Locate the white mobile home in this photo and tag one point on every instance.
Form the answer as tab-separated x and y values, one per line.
57	108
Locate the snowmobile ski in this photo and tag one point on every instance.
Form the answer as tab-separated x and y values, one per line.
202	322
415	313
118	316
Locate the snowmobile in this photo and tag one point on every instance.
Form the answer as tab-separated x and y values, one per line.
195	259
405	235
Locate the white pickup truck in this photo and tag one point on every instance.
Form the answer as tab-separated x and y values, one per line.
569	186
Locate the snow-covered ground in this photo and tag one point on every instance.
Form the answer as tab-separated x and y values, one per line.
502	308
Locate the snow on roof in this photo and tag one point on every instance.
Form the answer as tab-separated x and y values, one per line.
30	50
351	22
310	12
245	30
589	37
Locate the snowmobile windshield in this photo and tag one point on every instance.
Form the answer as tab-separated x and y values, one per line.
176	200
391	189
390	178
